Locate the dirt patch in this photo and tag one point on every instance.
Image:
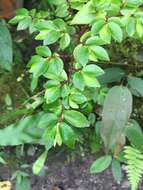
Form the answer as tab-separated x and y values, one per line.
72	175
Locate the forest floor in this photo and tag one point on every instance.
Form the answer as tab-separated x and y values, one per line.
73	175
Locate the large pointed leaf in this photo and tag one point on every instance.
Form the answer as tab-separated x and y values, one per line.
25	131
116	112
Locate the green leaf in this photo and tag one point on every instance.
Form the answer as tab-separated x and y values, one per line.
97	26
81	54
24	184
116	170
16	19
90	80
101	164
43	51
68	135
51	37
6	57
95	40
76	119
25	131
55	70
139	28
116	112
65	41
38	165
78	81
78	97
116	31
131	26
46	120
24	24
39	67
22	11
100	52
105	34
135	135
49	136
136	86
85	15
110	75
52	94
93	70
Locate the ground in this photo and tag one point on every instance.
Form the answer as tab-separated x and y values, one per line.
72	175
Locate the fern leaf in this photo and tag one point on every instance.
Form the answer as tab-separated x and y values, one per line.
134	160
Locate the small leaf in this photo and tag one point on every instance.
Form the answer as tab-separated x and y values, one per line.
38	165
24	184
136	86
47	119
49	136
76	119
110	75
101	164
68	135
78	81
51	37
97	26
81	54
116	170
100	52
139	28
52	94
24	24
85	15
135	135
43	51
93	70
116	31
105	34
131	26
65	41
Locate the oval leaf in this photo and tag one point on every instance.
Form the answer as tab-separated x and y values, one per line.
101	164
116	112
76	119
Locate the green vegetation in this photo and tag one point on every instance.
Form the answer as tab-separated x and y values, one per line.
86	81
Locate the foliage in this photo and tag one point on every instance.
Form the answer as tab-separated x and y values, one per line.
134	159
6	57
76	38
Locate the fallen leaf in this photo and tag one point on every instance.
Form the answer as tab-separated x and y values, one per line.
5	185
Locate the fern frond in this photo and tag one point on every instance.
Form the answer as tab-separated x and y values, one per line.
134	161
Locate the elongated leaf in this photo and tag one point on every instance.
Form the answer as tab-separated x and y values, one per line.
68	135
76	119
135	135
110	75
81	54
6	59
100	52
116	170
116	31
101	164
38	165
116	112
25	131
136	86
24	184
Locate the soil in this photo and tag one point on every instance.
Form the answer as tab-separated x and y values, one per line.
73	175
